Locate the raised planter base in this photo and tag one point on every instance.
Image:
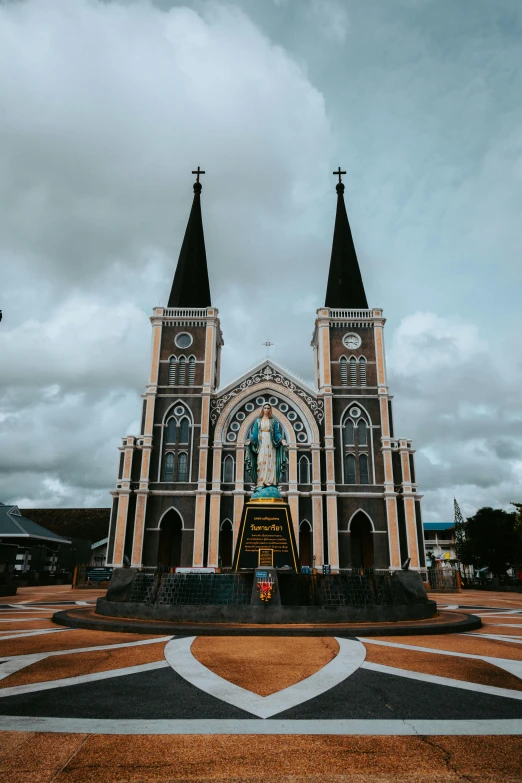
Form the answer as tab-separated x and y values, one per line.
444	622
266	615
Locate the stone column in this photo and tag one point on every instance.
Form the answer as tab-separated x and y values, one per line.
325	386
390	496
239	491
215	507
409	505
317	506
123	506
208	386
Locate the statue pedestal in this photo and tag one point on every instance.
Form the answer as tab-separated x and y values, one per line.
266	536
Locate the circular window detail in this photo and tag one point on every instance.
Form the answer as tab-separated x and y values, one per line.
179	410
355	412
301	437
283	407
183	340
298	426
292	415
231	436
352	340
235	426
260	400
273	400
249	407
240	415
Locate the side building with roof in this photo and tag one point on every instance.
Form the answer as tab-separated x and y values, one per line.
350	481
439	541
26	546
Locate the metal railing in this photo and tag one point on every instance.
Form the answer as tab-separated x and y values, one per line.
351	314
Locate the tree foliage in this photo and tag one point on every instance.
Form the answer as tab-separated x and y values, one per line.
493	539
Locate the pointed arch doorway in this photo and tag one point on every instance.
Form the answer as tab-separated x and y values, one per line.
226	541
361	539
305	543
169	550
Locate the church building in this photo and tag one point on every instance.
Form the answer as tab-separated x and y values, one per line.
349	482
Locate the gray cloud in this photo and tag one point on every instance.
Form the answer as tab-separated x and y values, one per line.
106	109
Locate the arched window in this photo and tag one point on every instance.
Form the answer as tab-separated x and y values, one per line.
171	430
362	371
172	371
184	430
228	469
349	469
353	371
181	371
363	469
343	364
168	467
191	370
348	432
362	433
304	470
182	467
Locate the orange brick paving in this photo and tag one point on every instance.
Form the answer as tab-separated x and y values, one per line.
53	593
478	598
499	630
74	758
58	667
467	669
474	645
66	641
264	664
77	758
30	625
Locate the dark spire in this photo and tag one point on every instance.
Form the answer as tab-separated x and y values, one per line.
345	285
191	287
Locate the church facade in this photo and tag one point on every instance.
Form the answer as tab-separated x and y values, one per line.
350	482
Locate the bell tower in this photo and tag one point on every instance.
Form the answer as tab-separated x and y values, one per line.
372	509
160	502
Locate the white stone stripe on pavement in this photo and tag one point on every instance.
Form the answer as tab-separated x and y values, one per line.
270	726
72	650
349	658
17	690
24	634
476	687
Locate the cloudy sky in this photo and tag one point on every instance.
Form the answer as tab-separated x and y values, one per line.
105	109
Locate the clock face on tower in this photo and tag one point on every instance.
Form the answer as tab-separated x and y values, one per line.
351	340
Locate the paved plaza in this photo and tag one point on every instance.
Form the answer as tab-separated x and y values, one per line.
80	705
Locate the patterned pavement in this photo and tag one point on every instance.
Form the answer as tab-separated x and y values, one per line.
79	705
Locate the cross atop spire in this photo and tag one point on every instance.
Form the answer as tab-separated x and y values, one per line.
337	173
345	285
191	287
198	172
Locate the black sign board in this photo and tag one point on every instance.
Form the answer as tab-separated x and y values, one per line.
266	557
266	526
99	574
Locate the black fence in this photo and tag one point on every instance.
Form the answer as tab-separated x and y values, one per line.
443	580
192	589
357	587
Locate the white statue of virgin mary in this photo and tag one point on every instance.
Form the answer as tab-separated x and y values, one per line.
266	450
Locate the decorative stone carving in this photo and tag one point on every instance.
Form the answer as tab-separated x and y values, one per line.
267	374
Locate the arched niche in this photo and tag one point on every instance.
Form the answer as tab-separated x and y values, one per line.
170	539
